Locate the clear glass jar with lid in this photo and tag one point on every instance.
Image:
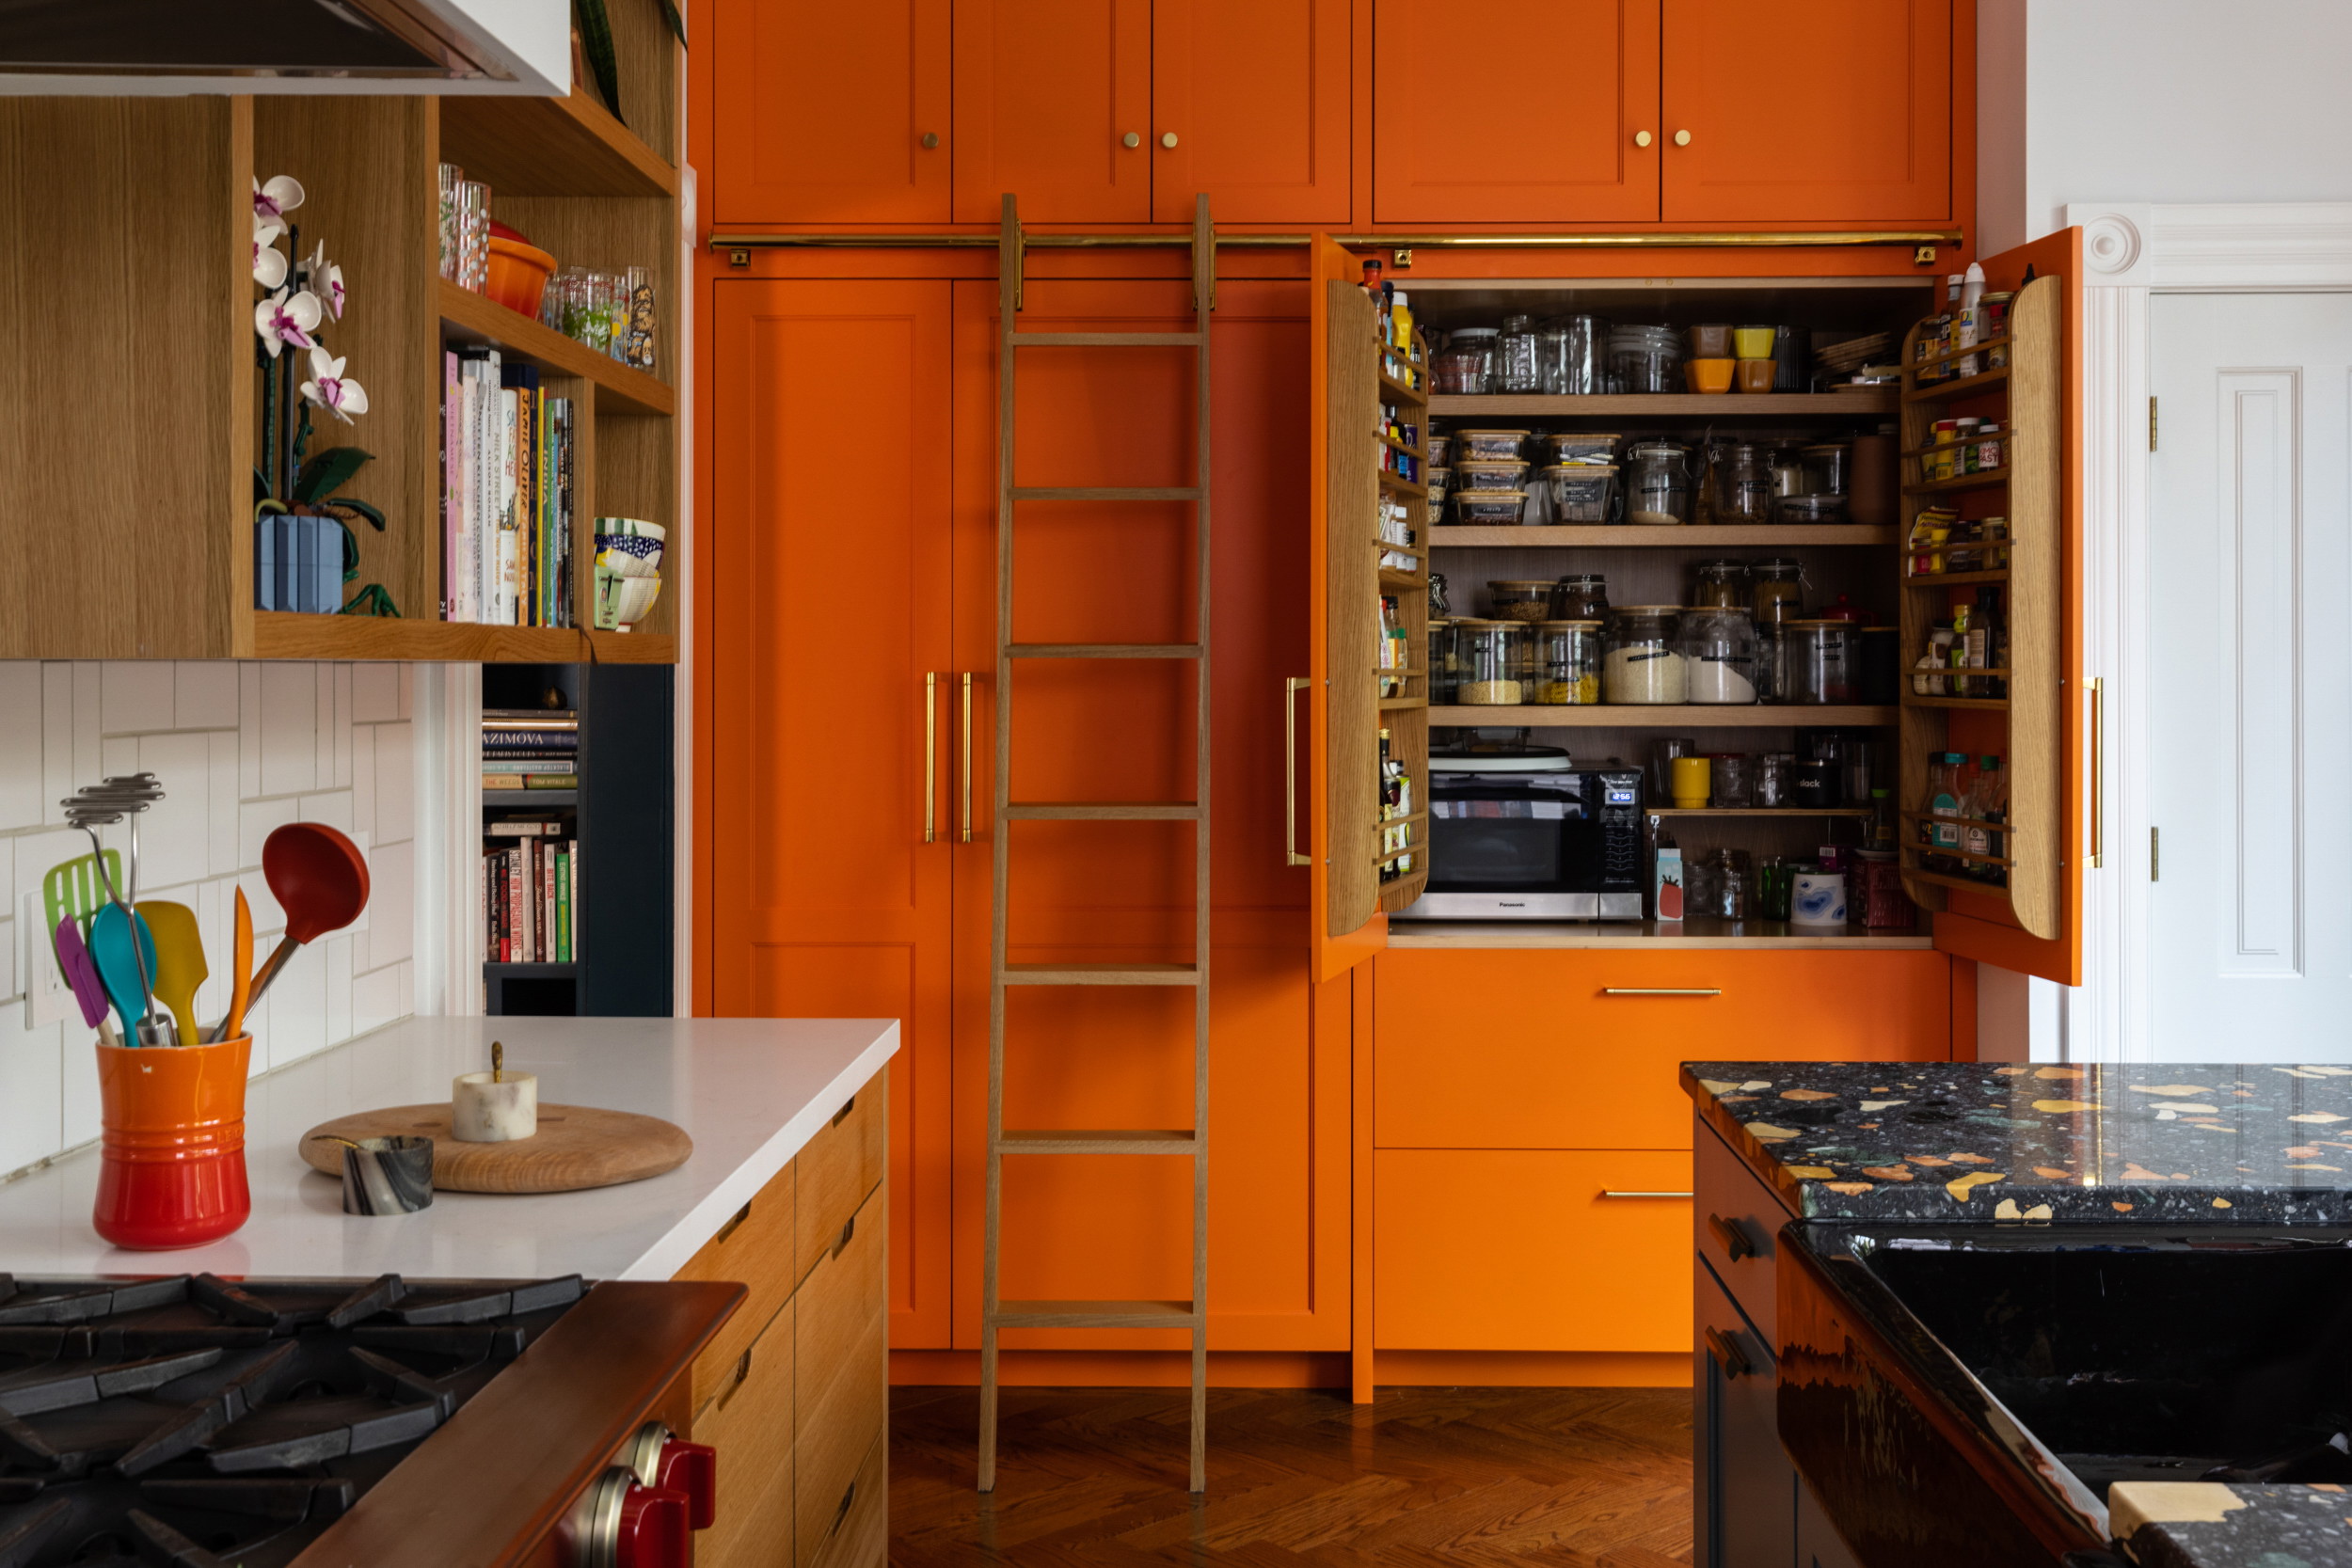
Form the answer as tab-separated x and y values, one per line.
1518	355
1743	483
1568	660
1776	590
1467	363
1657	483
1720	583
1643	664
1490	662
1718	655
1580	596
1443	677
1819	661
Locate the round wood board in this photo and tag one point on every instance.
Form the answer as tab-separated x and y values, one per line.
576	1146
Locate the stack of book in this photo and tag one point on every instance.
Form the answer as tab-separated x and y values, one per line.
508	455
529	747
529	892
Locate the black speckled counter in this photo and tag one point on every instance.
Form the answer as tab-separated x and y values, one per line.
1949	1141
2205	1525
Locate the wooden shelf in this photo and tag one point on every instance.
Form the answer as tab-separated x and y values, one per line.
1982	479
1937	878
530	972
1955	579
1694	536
529	799
1660	716
1951	354
1390	480
1756	811
1967	385
1699	931
467	317
569	146
1846	405
1402	705
278	635
1981	704
1399	392
1396	576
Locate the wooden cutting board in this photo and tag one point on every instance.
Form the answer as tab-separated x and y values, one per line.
576	1146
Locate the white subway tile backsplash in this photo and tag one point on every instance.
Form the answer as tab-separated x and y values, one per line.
290	723
333	809
176	835
395	784
221	825
339	736
89	697
31	1090
323	732
7	965
139	696
363	776
207	694
117	754
256	821
21	746
391	894
248	730
375	693
338	957
297	1009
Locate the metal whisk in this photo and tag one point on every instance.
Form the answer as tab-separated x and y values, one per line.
116	799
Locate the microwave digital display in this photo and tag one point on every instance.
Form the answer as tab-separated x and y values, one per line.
1619	794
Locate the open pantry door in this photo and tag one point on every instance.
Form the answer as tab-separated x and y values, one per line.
2006	886
1367	741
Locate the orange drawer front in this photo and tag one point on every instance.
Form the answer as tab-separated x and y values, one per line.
1518	1249
1542	1048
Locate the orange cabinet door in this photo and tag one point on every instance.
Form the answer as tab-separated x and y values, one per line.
830	880
1255	93
822	112
1515	111
1047	93
1802	111
1526	1249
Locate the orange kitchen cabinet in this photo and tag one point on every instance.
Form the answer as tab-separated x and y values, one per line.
1526	1250
1256	93
822	112
1516	111
1047	91
1527	1048
1803	111
830	880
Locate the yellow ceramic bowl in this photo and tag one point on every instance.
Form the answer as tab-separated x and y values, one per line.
1708	375
1752	342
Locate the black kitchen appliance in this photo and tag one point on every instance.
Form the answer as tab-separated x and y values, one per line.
1528	836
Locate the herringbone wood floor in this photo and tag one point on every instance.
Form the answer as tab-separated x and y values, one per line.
1470	1478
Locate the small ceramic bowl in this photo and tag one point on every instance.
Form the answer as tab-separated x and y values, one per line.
1757	375
1754	343
629	555
1708	375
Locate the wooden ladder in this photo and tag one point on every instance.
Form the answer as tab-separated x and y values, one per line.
995	1313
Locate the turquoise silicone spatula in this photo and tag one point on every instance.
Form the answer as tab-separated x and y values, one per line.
111	931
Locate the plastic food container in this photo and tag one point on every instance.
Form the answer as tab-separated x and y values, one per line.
1712	341
1488	508
1580	492
1487	446
1812	509
1440	481
1580	448
1520	599
1708	375
1566	665
1643	663
1754	343
1441	448
1490	662
1474	474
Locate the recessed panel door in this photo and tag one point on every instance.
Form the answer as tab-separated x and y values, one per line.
1249	104
1047	94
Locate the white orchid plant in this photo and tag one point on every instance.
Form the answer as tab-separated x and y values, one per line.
300	296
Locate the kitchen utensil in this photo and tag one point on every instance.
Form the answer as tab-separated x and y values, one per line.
387	1176
320	879
576	1146
240	975
180	966
77	889
80	972
124	951
172	1143
113	799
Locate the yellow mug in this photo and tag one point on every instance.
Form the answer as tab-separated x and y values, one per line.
1693	779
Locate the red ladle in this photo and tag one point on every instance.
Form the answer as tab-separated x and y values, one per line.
320	879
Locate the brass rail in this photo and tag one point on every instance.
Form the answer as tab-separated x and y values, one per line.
989	239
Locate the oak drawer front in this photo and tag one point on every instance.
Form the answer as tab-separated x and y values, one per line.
835	1430
1518	1249
749	1421
754	1250
861	1538
1575	1048
842	1299
1738	1221
842	1163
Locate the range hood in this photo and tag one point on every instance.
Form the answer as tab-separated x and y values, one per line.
139	47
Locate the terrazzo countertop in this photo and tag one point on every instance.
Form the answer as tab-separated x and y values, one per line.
2208	1524
1948	1141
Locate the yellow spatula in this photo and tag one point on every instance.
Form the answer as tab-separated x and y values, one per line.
180	967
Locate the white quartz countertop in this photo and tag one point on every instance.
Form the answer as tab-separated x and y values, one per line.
750	1092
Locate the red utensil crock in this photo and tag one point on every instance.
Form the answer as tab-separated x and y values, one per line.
171	1170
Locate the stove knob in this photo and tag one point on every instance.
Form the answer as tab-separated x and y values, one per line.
691	1470
655	1533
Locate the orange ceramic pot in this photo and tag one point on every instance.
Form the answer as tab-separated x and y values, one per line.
519	275
172	1144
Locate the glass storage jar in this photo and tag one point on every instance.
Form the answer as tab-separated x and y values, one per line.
1657	483
1776	588
1819	661
1743	483
1644	360
1575	354
1643	664
1567	660
1490	663
1517	370
1520	599
1583	596
1443	677
1826	467
1721	583
1467	363
1718	655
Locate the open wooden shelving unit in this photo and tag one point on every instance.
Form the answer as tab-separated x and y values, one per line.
1663	716
147	552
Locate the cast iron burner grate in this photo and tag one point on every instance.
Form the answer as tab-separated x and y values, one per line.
189	1422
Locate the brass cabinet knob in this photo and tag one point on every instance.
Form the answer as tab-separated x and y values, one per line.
1641	138
1131	139
930	139
1168	138
1682	139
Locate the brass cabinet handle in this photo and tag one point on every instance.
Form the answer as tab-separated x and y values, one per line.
1661	991
2098	781
1736	1242
1131	139
930	140
1682	139
1727	1354
1168	138
1621	1191
930	755
1291	687
967	756
1641	138
848	1230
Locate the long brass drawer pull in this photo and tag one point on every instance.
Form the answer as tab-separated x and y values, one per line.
967	756
848	1230
1291	687
1616	1191
1661	991
1737	1243
1727	1354
930	756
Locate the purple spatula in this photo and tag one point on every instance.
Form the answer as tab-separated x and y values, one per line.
80	972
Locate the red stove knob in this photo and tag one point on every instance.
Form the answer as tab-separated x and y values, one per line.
654	1530
691	1470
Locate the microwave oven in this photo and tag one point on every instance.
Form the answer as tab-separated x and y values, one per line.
1528	836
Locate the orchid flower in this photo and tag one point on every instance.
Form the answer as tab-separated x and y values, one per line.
328	388
273	201
269	262
281	320
327	279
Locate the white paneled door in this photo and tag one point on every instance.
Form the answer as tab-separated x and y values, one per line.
2250	693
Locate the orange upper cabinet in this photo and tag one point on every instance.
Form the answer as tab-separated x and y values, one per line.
1249	102
1053	103
1808	111
831	113
1549	113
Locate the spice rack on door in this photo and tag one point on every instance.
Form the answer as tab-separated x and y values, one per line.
1400	705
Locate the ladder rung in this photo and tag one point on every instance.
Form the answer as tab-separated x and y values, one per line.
1103	811
1092	1314
1106	340
1102	974
1099	1141
1106	493
1102	650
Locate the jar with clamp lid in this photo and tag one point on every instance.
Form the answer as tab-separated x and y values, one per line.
1722	585
1519	367
1490	659
1657	483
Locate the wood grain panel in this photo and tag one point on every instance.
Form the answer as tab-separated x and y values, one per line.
755	1250
862	1538
1350	693
2039	694
748	1418
839	1168
576	1146
838	1302
833	1438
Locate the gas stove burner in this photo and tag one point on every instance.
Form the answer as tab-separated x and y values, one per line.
201	1423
